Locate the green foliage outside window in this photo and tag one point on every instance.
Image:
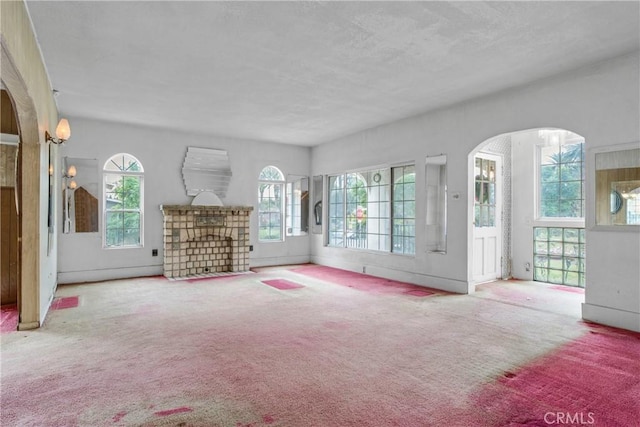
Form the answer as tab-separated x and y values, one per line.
559	255
404	209
123	201
367	212
123	216
270	204
561	181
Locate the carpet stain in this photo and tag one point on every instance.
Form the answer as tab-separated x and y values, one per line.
327	358
568	289
119	416
363	282
168	412
594	376
64	302
282	284
9	318
268	419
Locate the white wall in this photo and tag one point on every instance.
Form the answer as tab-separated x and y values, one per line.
600	102
81	255
523	208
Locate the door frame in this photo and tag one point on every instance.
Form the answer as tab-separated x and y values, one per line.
472	282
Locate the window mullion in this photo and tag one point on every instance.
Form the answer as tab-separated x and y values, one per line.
344	210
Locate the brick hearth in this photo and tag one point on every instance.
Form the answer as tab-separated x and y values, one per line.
205	239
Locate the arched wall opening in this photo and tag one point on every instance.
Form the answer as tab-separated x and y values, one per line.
28	195
535	195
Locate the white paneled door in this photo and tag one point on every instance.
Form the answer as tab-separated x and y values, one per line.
487	214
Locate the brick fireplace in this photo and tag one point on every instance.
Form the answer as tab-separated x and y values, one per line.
205	239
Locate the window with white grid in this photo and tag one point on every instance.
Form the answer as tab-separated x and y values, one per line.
270	205
360	210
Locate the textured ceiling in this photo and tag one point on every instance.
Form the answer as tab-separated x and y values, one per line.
308	72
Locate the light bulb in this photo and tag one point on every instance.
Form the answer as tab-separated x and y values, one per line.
63	131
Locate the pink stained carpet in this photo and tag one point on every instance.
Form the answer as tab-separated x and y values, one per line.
8	318
65	302
234	353
282	284
568	289
592	380
363	282
168	412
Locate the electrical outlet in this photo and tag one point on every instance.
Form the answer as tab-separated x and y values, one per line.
250	248
154	252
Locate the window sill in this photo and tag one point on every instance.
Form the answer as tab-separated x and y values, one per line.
625	228
559	222
123	247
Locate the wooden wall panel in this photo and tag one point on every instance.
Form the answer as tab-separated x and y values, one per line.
8	122
86	211
8	165
9	249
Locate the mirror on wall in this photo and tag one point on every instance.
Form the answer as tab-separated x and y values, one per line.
618	187
317	205
50	201
80	194
297	213
436	184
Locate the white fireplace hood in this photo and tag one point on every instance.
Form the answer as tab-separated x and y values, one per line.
206	198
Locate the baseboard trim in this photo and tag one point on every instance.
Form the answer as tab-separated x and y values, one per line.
275	261
611	317
67	277
441	283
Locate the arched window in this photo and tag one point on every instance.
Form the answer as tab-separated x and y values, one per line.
123	201
270	205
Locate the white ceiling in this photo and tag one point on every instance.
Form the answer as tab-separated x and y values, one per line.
308	72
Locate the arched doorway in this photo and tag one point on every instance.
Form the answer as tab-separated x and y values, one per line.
538	193
28	193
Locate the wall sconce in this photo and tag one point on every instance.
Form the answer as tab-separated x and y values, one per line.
68	176
71	172
63	132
